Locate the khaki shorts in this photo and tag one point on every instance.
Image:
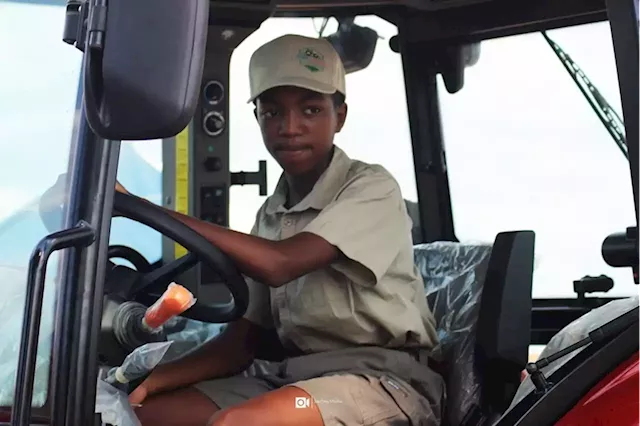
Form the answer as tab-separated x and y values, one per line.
342	399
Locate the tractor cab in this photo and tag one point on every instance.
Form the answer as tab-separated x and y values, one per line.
511	127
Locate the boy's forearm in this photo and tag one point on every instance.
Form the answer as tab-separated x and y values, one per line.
273	263
256	257
229	353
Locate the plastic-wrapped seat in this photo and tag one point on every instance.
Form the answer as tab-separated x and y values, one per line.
574	333
481	298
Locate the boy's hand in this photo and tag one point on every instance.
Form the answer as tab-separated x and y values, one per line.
138	395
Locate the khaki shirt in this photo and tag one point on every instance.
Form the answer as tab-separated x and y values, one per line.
374	295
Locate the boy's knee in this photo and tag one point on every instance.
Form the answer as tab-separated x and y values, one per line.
186	407
150	412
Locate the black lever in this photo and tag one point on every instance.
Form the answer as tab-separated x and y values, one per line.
252	178
588	284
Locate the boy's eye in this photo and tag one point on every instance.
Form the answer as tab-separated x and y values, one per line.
268	113
311	110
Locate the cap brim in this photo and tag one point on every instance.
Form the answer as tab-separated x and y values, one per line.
303	83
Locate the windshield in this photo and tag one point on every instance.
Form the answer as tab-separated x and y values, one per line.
520	115
36	117
525	150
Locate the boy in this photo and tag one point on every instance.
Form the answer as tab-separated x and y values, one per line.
330	268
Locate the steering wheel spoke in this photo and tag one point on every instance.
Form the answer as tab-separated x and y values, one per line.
165	274
200	250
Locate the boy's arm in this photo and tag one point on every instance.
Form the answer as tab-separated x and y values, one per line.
368	224
273	263
230	352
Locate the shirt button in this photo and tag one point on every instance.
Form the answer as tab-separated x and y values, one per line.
288	222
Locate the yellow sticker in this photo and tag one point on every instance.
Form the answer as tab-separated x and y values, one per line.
182	181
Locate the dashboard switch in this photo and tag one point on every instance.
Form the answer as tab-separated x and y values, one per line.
212	164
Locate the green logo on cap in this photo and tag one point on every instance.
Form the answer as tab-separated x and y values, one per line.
311	60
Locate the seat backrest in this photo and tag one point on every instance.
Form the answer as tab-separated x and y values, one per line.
413	210
455	275
504	323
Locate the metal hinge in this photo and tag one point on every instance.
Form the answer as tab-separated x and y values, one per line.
85	24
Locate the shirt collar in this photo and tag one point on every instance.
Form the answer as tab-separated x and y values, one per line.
323	191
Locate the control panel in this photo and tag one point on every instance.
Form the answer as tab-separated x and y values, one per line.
204	146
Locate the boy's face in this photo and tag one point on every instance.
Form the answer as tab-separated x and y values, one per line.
298	127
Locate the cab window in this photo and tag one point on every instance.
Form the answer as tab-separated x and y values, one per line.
140	171
37	110
526	151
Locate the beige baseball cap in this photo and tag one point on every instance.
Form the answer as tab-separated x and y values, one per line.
295	60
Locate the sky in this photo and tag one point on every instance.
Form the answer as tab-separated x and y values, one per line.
524	149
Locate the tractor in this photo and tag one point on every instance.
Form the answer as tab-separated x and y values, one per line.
510	125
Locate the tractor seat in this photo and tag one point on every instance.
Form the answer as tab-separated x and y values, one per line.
480	296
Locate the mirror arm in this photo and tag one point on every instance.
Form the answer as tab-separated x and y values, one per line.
97	24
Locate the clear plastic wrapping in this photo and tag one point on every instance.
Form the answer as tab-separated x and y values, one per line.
188	335
112	402
138	363
573	333
454	274
113	406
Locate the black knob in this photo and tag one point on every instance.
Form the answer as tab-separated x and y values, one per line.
213	123
212	164
213	92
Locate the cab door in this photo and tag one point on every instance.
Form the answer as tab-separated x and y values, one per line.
56	190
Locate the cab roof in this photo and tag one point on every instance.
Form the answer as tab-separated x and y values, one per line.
466	20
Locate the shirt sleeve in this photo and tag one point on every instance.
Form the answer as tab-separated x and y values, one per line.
368	223
259	308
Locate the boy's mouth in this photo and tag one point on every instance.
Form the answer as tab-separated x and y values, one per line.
291	147
291	153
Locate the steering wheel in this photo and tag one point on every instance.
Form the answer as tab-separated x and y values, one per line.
200	250
127	253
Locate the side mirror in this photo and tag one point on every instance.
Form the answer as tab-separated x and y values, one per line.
450	61
356	45
143	66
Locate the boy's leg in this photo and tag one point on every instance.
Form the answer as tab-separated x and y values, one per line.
195	406
331	401
273	408
184	407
